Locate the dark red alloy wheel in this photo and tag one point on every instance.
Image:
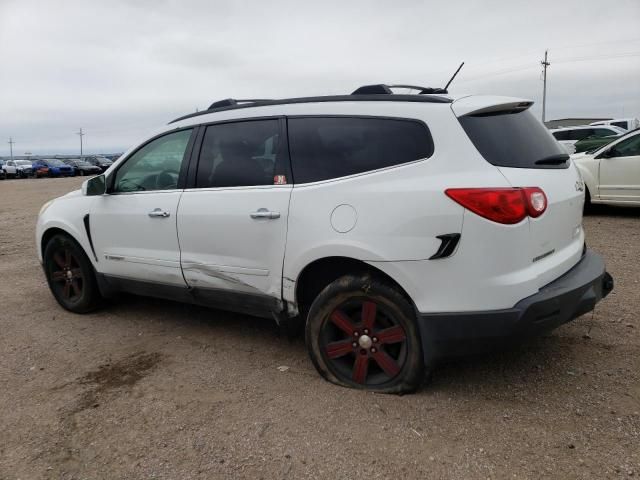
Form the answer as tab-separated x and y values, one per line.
362	343
66	275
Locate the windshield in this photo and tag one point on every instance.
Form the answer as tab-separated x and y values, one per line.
514	139
55	163
23	162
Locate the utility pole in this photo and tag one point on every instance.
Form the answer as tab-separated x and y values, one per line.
11	143
545	64
81	135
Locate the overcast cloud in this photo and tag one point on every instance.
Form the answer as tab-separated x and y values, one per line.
119	69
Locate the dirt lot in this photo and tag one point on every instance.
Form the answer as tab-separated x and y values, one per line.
155	389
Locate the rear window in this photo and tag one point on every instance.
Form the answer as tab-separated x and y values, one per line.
514	139
620	124
330	147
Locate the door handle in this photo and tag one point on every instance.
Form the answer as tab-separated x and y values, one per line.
158	212
264	213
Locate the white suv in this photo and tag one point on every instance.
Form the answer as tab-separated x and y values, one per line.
398	228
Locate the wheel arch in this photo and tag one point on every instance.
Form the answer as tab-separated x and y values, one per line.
319	273
50	232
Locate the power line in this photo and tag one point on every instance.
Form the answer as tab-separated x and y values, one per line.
81	135
519	68
11	143
545	63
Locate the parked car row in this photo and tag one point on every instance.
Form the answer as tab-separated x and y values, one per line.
54	167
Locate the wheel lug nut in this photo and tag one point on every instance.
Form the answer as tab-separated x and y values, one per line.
375	339
373	350
366	331
354	344
355	334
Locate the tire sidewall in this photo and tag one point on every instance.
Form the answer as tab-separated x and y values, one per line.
350	287
90	295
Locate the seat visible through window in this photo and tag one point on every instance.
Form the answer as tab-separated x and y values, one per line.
239	154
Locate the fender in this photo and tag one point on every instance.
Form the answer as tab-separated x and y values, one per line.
66	214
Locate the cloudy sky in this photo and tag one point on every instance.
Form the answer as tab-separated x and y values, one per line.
119	69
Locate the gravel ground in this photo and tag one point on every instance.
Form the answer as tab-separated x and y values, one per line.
155	389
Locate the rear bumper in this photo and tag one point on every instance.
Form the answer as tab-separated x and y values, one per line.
571	295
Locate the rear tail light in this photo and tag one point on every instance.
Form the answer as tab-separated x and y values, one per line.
501	205
536	201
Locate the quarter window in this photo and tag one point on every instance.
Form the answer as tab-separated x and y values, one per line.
332	147
156	166
240	154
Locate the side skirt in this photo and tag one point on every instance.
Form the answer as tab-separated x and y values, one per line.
262	306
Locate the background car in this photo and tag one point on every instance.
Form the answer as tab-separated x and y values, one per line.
80	167
55	168
24	168
9	169
39	169
593	143
611	174
2	174
98	161
568	136
626	123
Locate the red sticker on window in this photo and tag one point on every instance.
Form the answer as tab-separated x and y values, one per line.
279	180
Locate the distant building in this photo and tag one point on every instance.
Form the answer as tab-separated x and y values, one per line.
572	122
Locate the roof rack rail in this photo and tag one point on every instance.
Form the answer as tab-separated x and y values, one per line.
230	102
233	104
382	89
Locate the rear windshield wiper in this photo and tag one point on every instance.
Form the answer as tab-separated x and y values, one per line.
557	159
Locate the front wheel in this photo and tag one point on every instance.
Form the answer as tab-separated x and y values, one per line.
70	275
362	333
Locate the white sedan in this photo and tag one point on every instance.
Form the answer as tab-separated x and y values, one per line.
612	173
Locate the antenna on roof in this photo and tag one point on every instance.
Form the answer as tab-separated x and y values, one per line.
446	87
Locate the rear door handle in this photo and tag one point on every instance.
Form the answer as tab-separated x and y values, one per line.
264	213
158	212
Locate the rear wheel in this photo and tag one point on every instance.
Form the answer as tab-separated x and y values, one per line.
70	275
362	333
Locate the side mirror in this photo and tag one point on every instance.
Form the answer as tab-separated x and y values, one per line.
94	186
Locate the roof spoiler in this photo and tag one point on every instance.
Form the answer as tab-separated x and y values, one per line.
488	105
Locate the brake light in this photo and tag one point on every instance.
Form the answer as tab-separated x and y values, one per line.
501	205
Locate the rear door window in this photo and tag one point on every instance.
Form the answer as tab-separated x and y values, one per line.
242	154
331	147
513	139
